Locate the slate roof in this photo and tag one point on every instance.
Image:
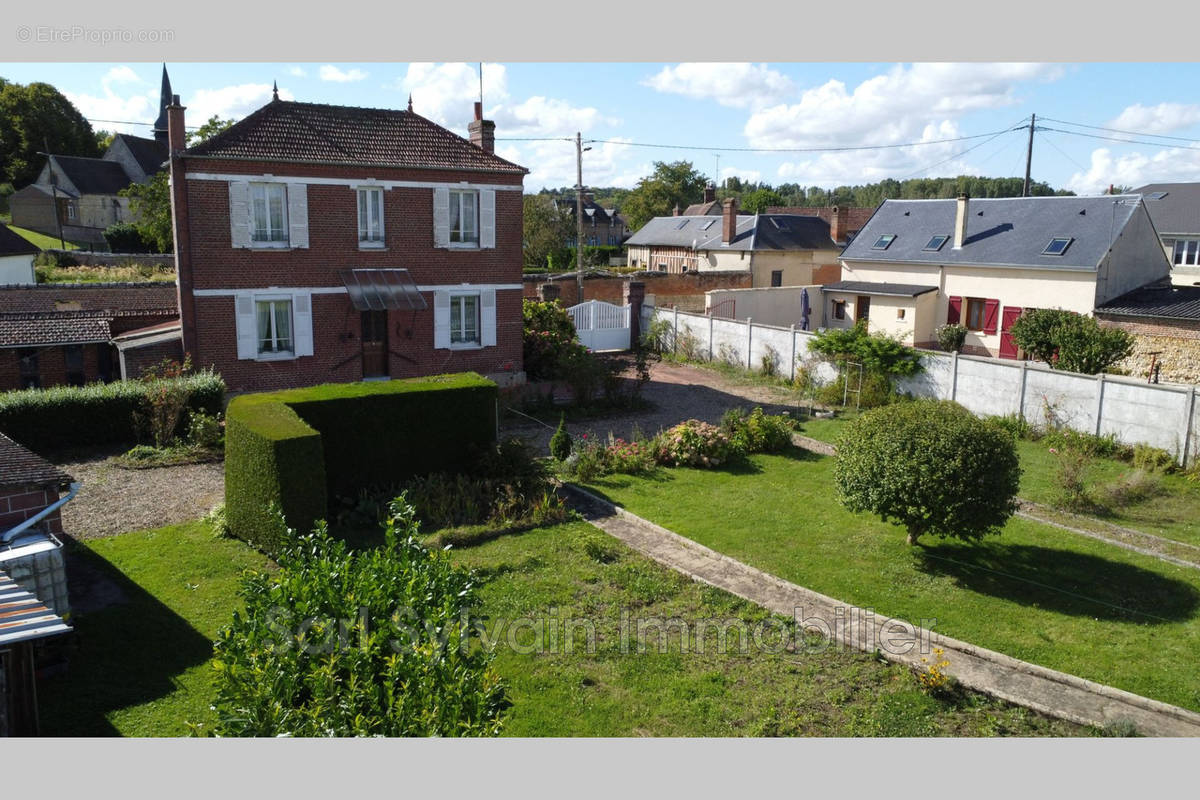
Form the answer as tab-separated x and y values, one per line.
22	467
755	232
285	130
92	175
148	153
54	327
14	244
1178	211
1163	302
882	289
1009	232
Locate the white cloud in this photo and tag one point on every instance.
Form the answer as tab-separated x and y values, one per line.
297	72
230	102
1135	169
746	175
552	164
139	106
1162	118
446	93
120	74
546	116
735	85
331	73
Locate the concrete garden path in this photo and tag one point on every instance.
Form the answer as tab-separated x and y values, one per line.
1044	690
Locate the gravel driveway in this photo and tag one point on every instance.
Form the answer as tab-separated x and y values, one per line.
113	500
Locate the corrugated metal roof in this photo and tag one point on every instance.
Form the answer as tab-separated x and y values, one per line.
1163	302
881	289
1010	231
23	617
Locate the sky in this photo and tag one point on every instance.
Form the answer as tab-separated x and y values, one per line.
741	107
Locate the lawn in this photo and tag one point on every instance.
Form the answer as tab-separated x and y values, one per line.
1034	592
42	240
142	666
1174	514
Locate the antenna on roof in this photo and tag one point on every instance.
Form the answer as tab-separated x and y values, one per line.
275	89
410	101
481	83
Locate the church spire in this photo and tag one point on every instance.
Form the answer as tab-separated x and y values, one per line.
164	100
410	101
274	90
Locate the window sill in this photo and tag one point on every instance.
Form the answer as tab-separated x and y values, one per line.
466	346
372	246
288	356
270	246
464	246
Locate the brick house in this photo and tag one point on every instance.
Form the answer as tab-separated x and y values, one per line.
72	334
601	226
919	264
319	243
28	484
1165	323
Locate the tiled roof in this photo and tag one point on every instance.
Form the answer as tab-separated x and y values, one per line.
283	130
92	175
880	289
1163	302
710	209
116	298
14	244
22	467
1011	232
54	327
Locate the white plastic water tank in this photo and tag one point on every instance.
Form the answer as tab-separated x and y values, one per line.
35	562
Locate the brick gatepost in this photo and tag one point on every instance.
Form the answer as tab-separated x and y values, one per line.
548	292
635	295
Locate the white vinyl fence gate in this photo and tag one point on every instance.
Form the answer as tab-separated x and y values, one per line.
601	325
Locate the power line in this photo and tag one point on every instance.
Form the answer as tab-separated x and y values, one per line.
131	122
798	149
1116	130
963	152
1065	155
1122	141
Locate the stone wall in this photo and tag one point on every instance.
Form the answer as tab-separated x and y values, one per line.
1176	342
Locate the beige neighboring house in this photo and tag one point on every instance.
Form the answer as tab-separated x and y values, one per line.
775	249
1175	210
919	264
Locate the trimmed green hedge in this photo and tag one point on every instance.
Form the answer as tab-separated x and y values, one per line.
296	447
99	413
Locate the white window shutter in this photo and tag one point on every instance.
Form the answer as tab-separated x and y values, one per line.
297	202
239	213
487	218
302	322
487	317
441	320
247	326
441	219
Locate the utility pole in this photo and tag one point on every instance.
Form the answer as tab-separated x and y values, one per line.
1029	155
579	216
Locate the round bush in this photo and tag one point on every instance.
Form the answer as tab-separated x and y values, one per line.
931	466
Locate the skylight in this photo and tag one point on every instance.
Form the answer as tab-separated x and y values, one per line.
682	222
779	225
936	243
1156	195
883	241
708	224
1057	246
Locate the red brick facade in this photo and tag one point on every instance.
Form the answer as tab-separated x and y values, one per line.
18	504
210	264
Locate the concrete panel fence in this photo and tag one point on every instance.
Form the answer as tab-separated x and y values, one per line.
1132	411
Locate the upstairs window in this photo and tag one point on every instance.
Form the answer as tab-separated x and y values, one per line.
883	242
1057	246
1187	252
268	213
370	217
936	243
464	217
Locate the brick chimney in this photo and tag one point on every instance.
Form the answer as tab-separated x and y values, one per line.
482	131
835	224
960	220
729	212
176	134
710	192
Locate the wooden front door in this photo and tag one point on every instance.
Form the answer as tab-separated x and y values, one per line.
374	344
1008	348
862	308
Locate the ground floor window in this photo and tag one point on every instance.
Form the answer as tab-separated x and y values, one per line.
976	312
274	326
31	377
777	277
464	319
839	309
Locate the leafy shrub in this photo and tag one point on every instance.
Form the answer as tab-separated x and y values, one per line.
877	352
98	413
336	642
1014	424
931	466
549	339
951	337
560	442
693	444
1071	478
758	432
205	430
1106	446
54	258
1152	459
166	401
125	238
1070	341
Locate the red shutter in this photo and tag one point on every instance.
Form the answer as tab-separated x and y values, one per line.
991	316
954	312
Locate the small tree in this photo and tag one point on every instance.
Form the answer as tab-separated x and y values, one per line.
931	466
1070	341
560	442
951	337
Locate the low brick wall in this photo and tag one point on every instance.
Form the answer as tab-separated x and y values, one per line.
1177	343
91	259
685	290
